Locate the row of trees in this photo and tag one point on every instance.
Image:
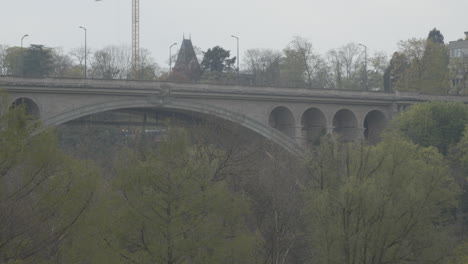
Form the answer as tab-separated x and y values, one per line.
300	65
419	65
111	62
205	195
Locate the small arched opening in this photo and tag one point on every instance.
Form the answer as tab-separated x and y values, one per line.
282	119
345	125
30	107
314	126
374	123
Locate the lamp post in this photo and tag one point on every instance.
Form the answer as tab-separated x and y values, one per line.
85	50
365	65
237	38
22	57
170	59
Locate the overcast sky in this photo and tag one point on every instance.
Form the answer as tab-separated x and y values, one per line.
379	24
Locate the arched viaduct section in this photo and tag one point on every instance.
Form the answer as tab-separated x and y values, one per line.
68	109
293	118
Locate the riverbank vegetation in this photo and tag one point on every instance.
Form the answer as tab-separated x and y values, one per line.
213	194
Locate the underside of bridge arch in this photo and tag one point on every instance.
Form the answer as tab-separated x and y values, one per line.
30	107
115	127
314	125
374	123
345	125
282	119
184	108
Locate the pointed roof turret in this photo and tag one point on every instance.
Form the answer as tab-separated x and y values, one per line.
187	66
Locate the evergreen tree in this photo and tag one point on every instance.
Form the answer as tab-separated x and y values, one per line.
435	36
217	59
38	61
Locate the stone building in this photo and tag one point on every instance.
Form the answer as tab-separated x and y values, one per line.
458	64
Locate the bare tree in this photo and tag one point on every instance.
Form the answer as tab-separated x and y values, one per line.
263	64
3	61
147	69
111	62
302	66
347	63
63	64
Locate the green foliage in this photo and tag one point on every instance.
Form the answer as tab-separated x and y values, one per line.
13	60
264	64
172	208
435	36
217	59
43	193
459	255
382	204
436	73
462	251
38	61
462	149
376	68
425	67
438	124
394	74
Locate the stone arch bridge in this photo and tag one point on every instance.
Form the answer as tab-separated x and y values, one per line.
290	117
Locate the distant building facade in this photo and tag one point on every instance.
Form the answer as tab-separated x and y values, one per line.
187	67
458	64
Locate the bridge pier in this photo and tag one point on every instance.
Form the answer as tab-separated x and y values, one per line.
359	133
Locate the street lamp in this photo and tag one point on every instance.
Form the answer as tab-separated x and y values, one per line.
365	65
170	59
22	57
25	35
237	57
85	49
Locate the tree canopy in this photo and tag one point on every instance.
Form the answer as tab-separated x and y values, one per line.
435	36
217	59
44	194
437	124
382	204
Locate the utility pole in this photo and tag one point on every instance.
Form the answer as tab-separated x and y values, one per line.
365	66
22	56
85	50
237	38
170	60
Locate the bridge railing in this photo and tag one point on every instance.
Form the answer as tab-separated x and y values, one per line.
162	87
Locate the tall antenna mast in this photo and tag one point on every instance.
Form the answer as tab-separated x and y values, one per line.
135	34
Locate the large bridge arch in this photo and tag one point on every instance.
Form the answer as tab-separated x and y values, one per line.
182	105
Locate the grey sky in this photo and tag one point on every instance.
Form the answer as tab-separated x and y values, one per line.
379	24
